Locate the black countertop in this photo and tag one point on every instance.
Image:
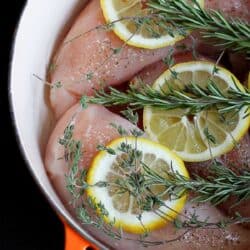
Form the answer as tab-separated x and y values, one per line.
27	221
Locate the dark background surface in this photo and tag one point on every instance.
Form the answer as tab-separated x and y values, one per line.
27	220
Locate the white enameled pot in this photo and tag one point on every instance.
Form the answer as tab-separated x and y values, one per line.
42	24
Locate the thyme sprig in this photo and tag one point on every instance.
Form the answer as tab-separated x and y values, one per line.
139	183
192	97
224	32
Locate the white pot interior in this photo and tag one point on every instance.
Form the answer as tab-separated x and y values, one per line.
41	27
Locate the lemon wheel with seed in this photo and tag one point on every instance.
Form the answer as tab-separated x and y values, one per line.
121	204
147	34
204	135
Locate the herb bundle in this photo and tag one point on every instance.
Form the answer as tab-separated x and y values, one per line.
215	189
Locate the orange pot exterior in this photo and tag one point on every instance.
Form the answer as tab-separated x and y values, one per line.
74	241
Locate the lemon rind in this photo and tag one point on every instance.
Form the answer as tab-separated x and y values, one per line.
236	134
136	40
132	224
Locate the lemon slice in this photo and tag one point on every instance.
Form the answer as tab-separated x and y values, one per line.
188	135
149	35
122	204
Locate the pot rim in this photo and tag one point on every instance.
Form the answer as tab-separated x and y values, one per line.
59	211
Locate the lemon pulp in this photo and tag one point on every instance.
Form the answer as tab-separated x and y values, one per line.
149	34
123	205
187	135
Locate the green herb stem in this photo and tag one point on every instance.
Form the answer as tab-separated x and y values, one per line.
193	97
139	182
224	32
214	189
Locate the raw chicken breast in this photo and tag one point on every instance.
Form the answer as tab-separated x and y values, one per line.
75	61
232	238
239	157
237	160
233	8
230	8
150	73
91	127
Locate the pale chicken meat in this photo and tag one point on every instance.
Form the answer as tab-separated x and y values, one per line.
92	127
232	8
232	238
150	73
238	160
239	9
85	63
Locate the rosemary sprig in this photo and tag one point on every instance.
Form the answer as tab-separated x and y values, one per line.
193	97
216	188
227	33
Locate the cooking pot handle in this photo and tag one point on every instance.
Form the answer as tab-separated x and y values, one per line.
74	241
